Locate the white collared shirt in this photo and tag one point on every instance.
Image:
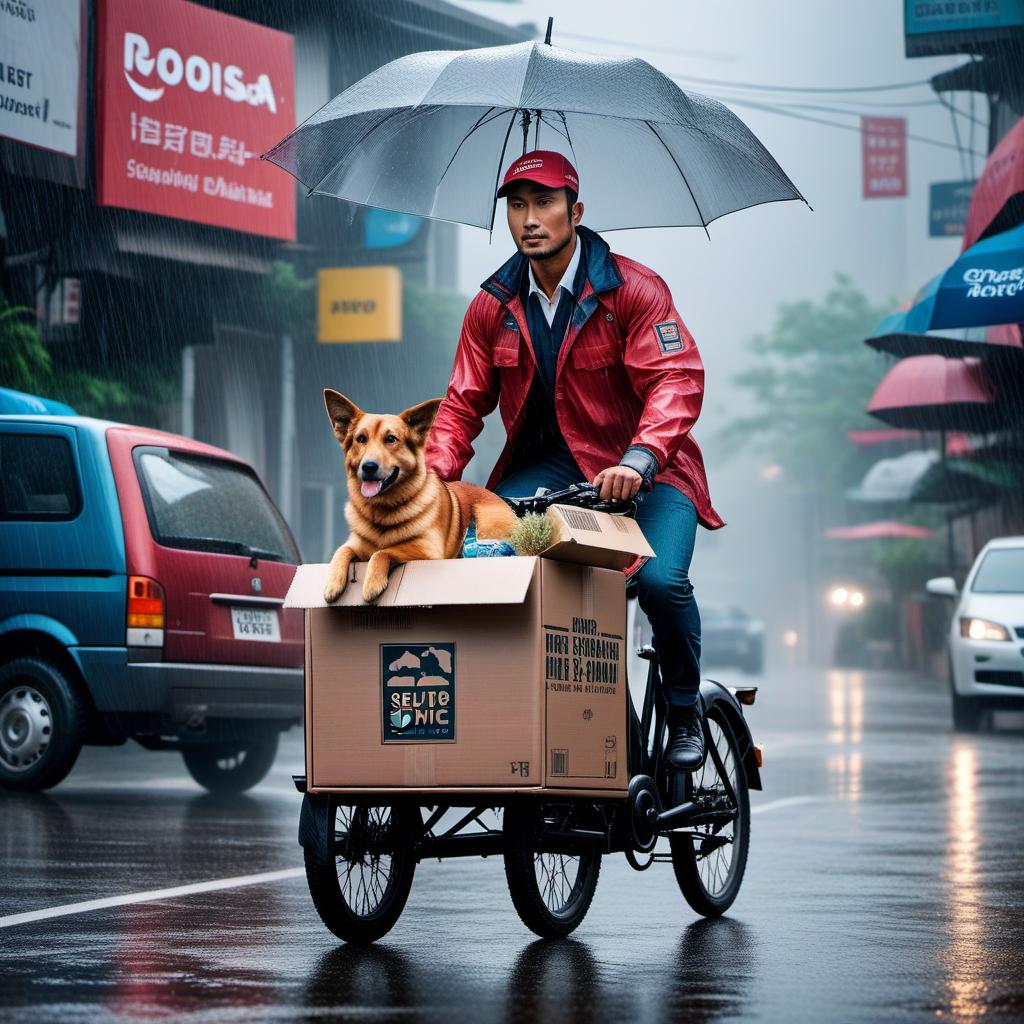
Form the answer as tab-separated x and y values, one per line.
548	306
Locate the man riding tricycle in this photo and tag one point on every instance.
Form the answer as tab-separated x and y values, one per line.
480	706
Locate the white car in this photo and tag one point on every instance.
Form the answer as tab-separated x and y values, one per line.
986	635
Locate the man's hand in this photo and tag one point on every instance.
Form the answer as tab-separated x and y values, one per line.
618	483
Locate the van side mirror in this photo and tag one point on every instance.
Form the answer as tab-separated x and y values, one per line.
942	586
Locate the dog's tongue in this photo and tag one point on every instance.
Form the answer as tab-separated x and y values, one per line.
369	488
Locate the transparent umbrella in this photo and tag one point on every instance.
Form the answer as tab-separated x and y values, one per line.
431	133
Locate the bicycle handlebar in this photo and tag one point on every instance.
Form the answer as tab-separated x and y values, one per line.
581	495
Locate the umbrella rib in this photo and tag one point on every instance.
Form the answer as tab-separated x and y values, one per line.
479	124
497	177
696	205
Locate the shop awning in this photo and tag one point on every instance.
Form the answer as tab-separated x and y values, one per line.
933	393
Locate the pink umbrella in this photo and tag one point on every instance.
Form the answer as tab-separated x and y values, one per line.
935	393
997	202
874	531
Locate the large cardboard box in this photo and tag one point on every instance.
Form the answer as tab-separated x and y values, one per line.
475	675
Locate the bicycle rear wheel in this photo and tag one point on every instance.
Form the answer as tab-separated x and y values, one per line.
709	860
550	891
361	881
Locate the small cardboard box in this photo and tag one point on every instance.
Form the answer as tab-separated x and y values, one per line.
475	675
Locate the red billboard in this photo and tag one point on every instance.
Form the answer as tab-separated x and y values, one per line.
187	99
884	156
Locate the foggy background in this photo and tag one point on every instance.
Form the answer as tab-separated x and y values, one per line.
728	289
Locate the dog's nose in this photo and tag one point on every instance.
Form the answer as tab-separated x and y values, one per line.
369	469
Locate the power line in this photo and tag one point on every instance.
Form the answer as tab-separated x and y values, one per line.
782	112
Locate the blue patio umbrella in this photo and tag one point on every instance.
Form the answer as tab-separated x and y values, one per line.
984	286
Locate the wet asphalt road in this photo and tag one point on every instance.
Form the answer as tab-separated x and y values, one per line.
891	891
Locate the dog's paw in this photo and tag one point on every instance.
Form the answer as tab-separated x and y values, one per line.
335	588
373	588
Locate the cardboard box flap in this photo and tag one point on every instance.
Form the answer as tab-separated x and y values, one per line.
450	581
596	538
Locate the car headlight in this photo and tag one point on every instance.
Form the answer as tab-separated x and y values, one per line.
982	629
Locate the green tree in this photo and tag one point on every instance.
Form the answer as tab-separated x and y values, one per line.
809	381
24	362
26	365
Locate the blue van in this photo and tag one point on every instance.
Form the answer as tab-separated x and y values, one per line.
142	576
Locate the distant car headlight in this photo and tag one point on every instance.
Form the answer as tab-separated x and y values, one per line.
982	629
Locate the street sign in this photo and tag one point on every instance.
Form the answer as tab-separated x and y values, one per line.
383	229
188	98
39	72
947	208
359	304
884	156
933	27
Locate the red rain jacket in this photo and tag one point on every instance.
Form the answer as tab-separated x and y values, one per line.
628	375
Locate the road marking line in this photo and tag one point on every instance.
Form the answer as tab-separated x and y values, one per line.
237	882
148	897
777	805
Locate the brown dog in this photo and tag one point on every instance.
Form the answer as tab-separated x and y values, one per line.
399	510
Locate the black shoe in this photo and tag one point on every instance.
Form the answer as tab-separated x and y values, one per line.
685	751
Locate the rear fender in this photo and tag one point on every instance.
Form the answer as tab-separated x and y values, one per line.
314	821
35	623
715	695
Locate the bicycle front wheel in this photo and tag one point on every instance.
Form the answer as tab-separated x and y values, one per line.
709	860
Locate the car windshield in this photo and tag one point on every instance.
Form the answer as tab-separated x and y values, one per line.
204	504
1001	572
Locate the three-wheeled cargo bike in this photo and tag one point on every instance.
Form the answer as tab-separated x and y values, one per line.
362	846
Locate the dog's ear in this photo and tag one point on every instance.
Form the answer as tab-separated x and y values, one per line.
420	417
341	411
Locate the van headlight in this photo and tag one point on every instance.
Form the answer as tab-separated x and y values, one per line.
982	629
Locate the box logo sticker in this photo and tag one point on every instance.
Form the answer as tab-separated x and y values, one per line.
669	337
417	684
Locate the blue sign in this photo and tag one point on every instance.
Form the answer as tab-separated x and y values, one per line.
383	229
947	211
927	16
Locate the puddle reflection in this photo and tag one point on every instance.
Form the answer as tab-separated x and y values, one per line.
966	956
706	978
846	728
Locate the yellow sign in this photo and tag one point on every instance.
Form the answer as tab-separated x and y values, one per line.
359	304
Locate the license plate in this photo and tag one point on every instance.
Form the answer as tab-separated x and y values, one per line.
255	624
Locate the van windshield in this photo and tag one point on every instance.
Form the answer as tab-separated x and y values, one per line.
205	504
1002	572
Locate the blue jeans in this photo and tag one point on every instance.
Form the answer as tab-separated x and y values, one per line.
669	522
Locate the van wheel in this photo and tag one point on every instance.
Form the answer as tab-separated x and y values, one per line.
232	768
42	725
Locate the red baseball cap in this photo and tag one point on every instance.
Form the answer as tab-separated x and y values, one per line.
544	167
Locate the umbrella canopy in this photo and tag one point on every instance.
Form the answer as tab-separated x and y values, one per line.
984	286
894	479
430	134
956	442
997	202
933	393
884	528
968	480
997	340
